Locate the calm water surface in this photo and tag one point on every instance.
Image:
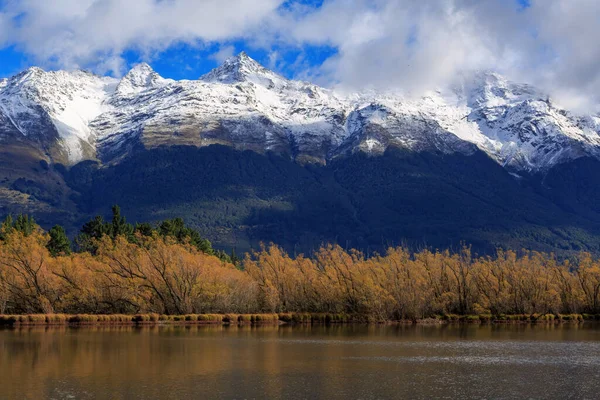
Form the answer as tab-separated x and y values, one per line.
303	362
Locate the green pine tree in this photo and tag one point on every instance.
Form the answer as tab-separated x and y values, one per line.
23	223
176	228
59	243
144	229
119	225
90	232
235	260
7	227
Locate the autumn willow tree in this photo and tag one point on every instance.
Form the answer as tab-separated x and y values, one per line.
401	285
126	273
169	268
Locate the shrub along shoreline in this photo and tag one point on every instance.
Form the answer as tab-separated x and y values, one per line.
276	319
169	269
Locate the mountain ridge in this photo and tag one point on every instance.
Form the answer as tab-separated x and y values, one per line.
244	105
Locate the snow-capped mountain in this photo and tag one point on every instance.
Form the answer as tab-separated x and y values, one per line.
56	106
74	116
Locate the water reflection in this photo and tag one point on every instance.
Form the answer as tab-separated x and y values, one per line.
356	361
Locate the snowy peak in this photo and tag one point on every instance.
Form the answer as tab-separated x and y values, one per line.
245	105
242	68
27	78
140	78
29	73
490	89
55	108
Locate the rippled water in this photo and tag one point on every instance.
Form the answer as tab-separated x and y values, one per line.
302	362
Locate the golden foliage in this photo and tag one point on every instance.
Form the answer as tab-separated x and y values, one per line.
156	276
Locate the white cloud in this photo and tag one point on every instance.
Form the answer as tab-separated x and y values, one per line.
417	45
5	25
223	54
568	57
76	33
410	44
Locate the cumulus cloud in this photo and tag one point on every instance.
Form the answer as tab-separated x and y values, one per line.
76	33
418	45
414	45
410	43
567	57
224	53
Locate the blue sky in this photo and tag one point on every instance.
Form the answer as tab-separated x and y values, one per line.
184	61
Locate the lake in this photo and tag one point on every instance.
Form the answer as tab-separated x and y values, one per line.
301	362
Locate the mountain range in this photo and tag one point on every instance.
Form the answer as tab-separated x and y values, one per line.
247	156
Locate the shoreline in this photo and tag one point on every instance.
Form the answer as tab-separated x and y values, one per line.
278	319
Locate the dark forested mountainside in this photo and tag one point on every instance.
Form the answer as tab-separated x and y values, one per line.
240	198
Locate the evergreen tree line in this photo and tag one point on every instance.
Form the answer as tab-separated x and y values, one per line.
169	268
95	229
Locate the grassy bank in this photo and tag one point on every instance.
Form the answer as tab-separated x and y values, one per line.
282	318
